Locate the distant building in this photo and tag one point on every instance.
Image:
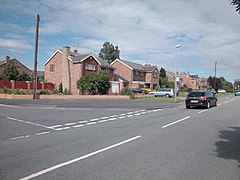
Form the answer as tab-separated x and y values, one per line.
20	67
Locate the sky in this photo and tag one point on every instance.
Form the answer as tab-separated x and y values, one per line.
146	31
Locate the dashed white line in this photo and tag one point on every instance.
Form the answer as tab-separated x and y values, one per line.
138	114
77	126
82	121
170	124
66	128
42	133
104	117
129	115
27	122
96	119
70	124
113	116
202	111
112	119
91	123
44	171
56	126
102	121
121	117
19	137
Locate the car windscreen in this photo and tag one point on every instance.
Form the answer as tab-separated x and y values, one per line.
195	94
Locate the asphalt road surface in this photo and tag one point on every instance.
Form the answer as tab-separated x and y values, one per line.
119	140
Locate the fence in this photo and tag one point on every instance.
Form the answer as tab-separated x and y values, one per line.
25	85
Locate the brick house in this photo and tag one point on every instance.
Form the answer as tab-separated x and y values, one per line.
67	67
20	67
192	81
135	75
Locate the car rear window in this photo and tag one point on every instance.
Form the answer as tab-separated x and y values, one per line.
195	94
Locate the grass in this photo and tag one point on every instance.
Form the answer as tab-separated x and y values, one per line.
161	99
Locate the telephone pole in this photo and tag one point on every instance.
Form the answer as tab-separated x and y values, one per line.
35	59
215	73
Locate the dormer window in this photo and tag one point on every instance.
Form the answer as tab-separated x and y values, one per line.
90	67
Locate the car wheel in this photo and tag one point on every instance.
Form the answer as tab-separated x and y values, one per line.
208	105
215	105
187	107
167	95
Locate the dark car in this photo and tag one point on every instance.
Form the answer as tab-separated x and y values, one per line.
139	90
205	99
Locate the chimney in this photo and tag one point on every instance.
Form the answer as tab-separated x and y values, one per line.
66	81
7	59
75	50
147	65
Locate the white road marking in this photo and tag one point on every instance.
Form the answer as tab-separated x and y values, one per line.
91	123
44	171
138	114
82	121
77	126
129	115
56	126
96	119
27	122
42	133
27	136
70	124
102	121
19	137
58	129
122	117
113	116
66	128
112	119
122	114
202	111
176	121
104	117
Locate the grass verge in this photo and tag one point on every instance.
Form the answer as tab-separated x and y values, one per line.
161	99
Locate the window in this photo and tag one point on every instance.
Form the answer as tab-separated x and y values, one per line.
136	73
90	67
52	67
155	74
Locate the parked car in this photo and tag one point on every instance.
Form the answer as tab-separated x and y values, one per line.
139	90
167	92
237	93
205	99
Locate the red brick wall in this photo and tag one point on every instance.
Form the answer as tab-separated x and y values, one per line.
5	84
76	74
55	76
21	85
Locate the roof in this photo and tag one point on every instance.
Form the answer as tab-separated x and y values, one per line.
136	66
78	58
118	77
2	62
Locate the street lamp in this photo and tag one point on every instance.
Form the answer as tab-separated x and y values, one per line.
175	92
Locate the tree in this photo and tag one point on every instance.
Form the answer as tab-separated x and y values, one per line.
24	77
215	83
109	52
162	72
94	83
237	4
10	72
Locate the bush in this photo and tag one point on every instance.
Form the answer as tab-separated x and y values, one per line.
44	92
127	91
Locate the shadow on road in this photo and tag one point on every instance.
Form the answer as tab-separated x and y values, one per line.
229	145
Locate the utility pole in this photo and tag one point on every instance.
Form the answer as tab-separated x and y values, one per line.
215	73
35	59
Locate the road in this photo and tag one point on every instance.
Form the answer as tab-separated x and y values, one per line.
110	140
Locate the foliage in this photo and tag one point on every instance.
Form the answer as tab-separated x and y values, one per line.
44	92
94	83
215	83
157	87
60	88
24	77
162	72
164	83
109	52
127	91
237	4
10	72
